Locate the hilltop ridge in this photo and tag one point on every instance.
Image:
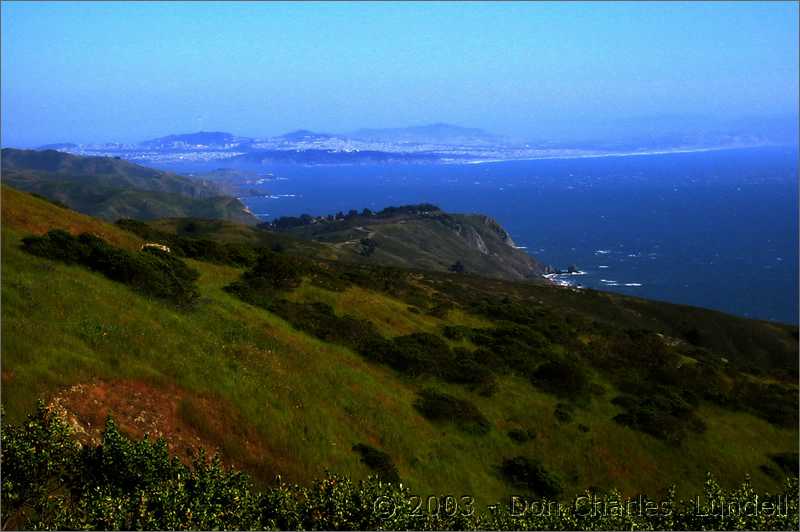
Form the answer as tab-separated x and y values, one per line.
112	188
419	236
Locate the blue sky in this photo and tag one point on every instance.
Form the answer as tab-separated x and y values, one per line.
128	71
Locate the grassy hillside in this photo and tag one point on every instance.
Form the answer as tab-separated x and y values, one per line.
277	386
111	188
31	215
418	236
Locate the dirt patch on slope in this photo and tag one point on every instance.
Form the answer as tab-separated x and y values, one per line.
184	419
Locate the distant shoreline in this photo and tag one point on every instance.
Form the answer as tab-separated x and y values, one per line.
623	154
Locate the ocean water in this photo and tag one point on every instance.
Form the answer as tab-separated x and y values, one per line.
716	229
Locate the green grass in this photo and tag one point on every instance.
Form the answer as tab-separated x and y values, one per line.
309	402
391	316
433	241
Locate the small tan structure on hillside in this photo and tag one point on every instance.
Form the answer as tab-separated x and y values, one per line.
154	245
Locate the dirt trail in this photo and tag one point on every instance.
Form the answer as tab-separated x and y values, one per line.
356	241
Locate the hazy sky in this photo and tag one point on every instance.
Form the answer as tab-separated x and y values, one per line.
124	72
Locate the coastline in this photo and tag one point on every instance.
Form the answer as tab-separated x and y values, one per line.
619	154
557	279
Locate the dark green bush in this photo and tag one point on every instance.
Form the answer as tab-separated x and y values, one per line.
470	368
774	402
510	347
378	461
204	249
456	332
521	435
563	413
49	482
56	245
562	378
788	462
276	271
527	473
660	412
422	354
320	320
151	271
444	408
427	354
368	246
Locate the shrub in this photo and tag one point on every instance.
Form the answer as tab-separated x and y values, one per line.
457	267
469	367
526	473
774	402
378	461
151	271
49	482
427	354
660	412
788	462
276	271
562	378
521	435
318	319
368	246
422	353
204	249
510	347
563	413
441	407
456	332
56	245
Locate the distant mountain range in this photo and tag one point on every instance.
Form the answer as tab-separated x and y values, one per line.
113	188
434	133
201	138
305	135
429	144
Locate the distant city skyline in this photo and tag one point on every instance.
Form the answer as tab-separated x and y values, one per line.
126	72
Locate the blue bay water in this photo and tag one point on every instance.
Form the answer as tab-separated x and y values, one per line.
715	229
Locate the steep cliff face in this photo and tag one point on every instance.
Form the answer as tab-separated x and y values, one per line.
483	234
492	224
425	238
473	238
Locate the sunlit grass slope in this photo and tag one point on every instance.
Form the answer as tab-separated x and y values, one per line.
308	402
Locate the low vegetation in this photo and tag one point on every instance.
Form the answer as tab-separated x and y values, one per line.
287	363
229	253
49	482
151	271
529	475
378	461
444	408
